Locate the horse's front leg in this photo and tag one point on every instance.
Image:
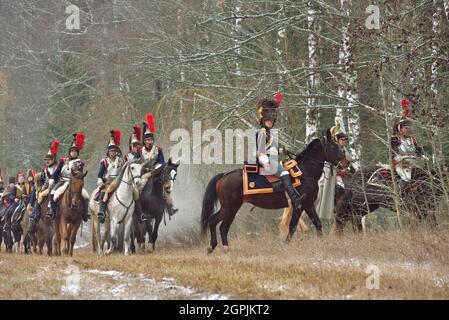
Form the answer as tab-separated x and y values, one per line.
313	215
113	230
73	229
296	214
154	234
127	235
64	236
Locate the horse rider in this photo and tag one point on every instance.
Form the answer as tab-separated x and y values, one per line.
110	167
47	173
344	167
10	199
30	188
152	157
331	184
63	174
21	186
266	146
404	146
135	144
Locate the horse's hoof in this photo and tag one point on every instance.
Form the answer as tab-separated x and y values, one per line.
226	248
209	250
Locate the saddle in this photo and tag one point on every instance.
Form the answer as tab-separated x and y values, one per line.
382	178
255	183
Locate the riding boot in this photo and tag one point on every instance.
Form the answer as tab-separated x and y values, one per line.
292	193
86	215
53	208
34	217
102	210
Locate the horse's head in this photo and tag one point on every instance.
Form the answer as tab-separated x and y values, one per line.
134	172
169	175
76	186
333	153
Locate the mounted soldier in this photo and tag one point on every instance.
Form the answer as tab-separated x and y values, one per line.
404	147
266	153
10	200
152	157
110	167
331	183
47	173
135	144
63	172
30	189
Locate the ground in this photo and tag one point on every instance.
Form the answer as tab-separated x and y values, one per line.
411	265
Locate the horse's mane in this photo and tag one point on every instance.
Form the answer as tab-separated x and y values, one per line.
122	171
307	149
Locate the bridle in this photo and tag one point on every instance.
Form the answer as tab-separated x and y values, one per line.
133	183
72	193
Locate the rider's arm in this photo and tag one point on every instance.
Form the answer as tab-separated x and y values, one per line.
261	147
58	170
32	196
395	143
102	170
160	156
419	150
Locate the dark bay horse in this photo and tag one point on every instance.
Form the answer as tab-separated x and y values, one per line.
68	220
420	199
153	203
227	188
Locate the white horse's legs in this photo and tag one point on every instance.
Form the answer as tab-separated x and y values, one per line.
128	224
114	227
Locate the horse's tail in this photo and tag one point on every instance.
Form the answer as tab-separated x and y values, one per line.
284	225
285	221
209	200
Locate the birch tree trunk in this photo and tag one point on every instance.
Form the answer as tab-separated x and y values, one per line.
351	89
312	113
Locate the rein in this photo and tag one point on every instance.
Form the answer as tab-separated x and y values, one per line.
132	199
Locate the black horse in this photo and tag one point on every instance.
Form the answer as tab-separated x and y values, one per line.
153	203
420	198
227	188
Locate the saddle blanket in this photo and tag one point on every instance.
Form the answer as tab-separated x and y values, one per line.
255	183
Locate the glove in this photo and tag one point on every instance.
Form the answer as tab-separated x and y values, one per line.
99	182
425	157
51	182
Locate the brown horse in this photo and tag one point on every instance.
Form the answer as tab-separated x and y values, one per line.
227	188
68	220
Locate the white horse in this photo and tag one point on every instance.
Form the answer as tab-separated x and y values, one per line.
119	210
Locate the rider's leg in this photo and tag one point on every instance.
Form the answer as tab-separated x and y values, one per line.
85	198
53	207
291	191
103	204
34	216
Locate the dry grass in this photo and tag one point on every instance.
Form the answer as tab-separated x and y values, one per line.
413	265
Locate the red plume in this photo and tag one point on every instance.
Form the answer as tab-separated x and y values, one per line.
138	132
79	140
117	137
54	147
406	112
150	122
278	98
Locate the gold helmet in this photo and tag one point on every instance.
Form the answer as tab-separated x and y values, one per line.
336	133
